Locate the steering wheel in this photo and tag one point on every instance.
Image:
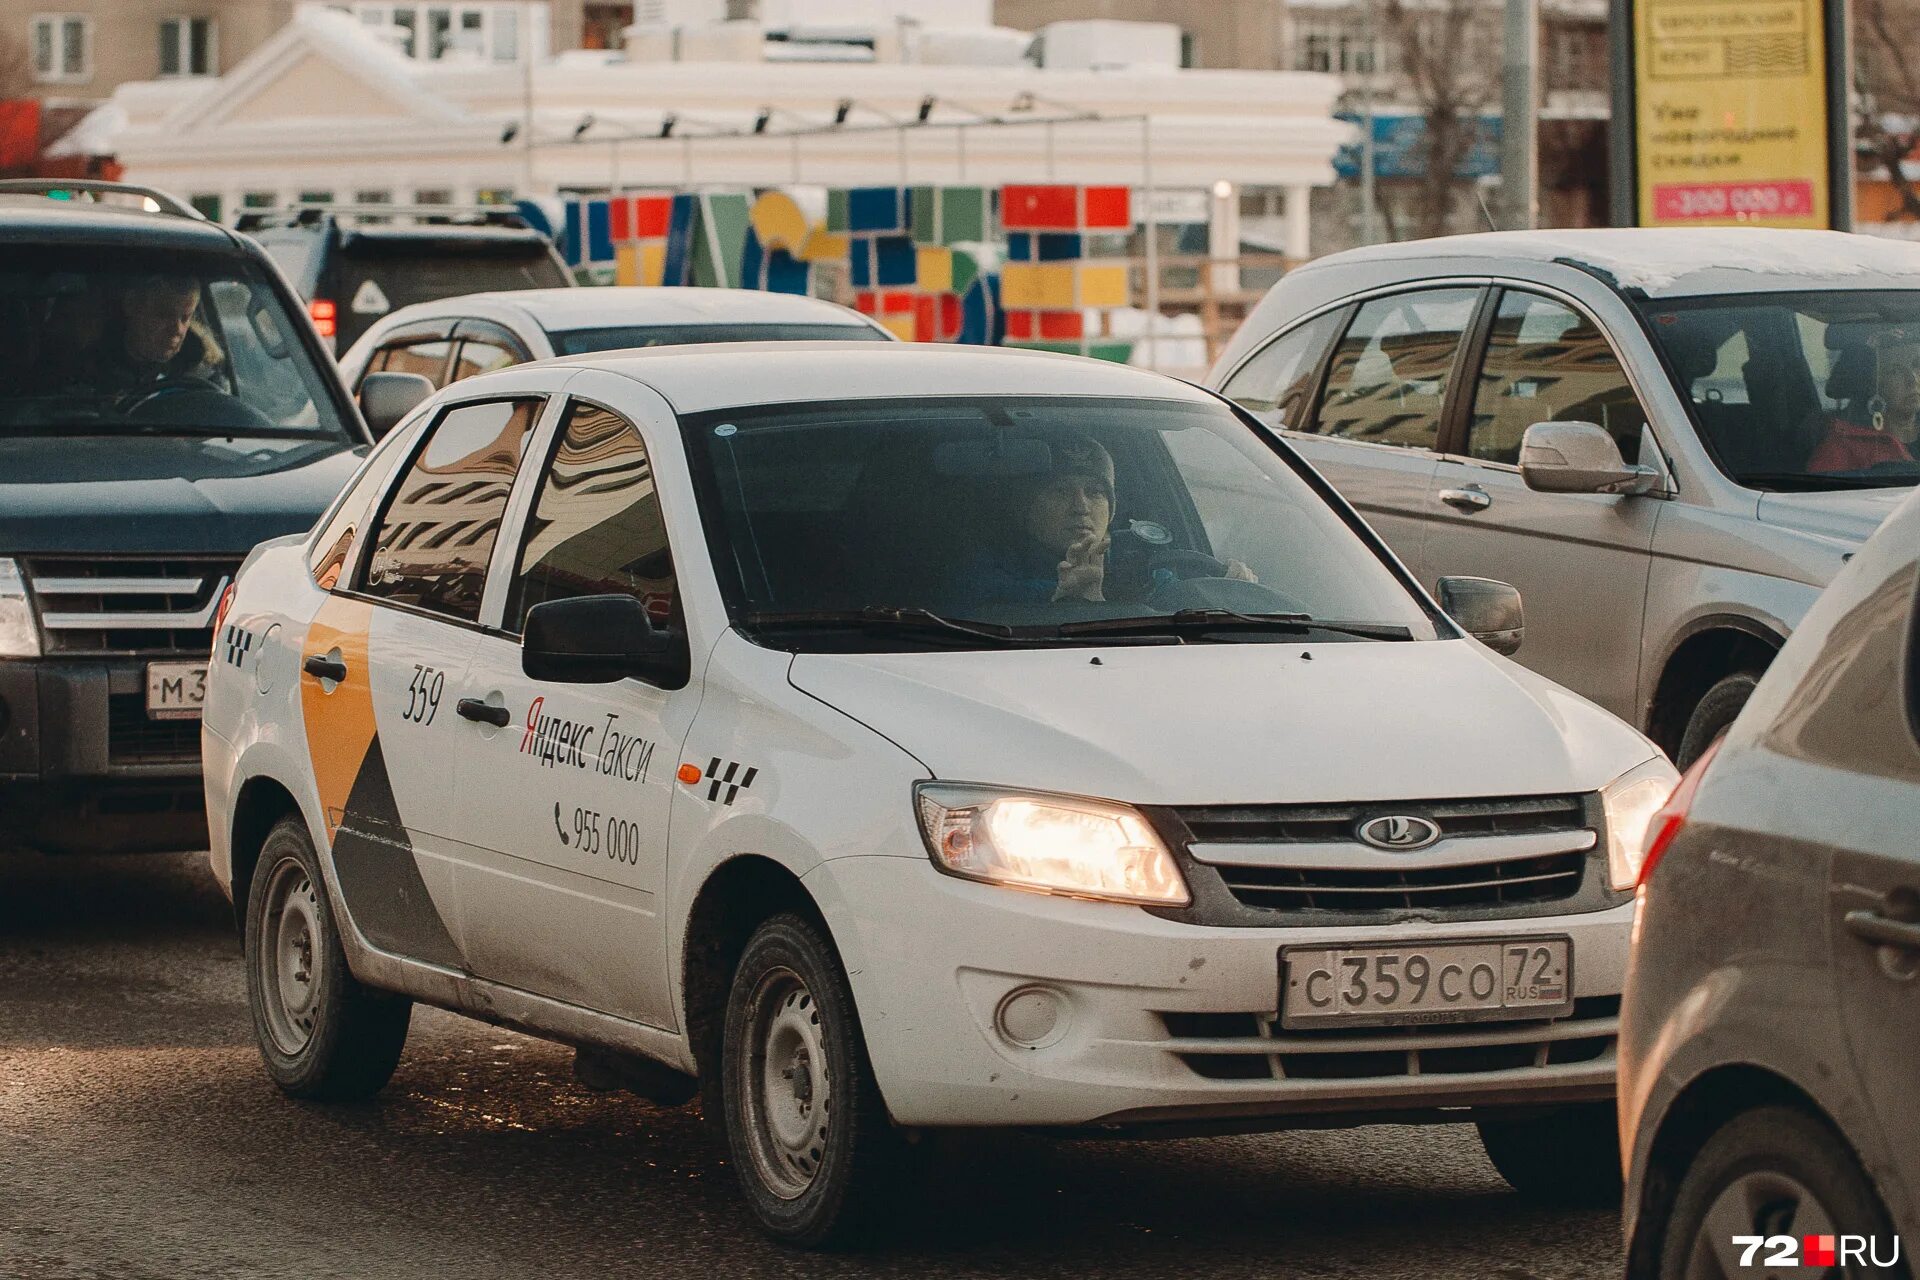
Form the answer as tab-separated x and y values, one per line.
1894	467
174	385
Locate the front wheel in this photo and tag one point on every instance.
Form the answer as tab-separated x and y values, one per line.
1569	1157
322	1034
1772	1172
809	1136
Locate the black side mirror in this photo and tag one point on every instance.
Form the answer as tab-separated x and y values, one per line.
1488	611
386	398
598	640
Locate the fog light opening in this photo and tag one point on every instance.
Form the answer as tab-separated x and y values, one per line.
1032	1017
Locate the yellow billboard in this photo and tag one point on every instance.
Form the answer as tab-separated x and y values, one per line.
1731	113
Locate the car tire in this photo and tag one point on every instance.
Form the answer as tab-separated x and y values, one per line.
322	1035
811	1143
1773	1171
1713	714
1566	1157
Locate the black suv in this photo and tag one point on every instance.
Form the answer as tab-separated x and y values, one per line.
164	406
352	273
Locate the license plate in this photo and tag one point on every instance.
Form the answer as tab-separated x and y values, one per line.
176	690
1378	986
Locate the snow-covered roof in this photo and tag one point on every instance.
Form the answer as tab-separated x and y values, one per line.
557	310
1678	262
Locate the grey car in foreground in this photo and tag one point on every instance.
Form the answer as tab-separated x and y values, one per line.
1770	1038
1669	441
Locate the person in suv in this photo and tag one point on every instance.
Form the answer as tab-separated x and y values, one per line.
163	407
1636	428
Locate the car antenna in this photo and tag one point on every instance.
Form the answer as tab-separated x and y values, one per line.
1486	212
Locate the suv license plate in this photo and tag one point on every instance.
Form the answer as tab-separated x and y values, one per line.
1381	986
176	690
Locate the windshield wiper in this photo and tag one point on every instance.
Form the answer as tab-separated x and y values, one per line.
884	617
1801	482
1200	621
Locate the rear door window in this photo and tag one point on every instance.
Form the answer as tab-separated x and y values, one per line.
433	541
1388	380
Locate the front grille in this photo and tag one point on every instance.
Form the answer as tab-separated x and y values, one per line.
145	606
1483	884
1247	1046
1300	864
133	737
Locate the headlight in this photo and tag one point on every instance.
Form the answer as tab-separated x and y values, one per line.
1631	801
19	638
1053	844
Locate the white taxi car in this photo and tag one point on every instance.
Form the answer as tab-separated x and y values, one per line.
893	737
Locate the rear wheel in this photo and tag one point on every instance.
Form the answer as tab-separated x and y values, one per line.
321	1033
1714	714
1567	1157
809	1136
1774	1171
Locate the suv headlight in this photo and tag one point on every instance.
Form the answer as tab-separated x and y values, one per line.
1049	843
19	638
1631	801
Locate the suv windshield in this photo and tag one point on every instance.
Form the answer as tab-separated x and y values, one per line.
573	342
1800	391
992	520
153	341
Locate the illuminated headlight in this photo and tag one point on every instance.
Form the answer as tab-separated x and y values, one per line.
1048	843
1631	801
19	638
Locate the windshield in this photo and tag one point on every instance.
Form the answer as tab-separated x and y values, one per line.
573	342
964	521
1800	391
156	342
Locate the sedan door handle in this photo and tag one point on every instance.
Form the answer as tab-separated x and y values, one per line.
1471	498
485	712
1871	926
321	667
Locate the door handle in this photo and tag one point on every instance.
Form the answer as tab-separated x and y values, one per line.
1471	498
321	667
484	712
1871	926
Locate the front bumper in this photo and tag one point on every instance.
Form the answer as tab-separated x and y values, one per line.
82	767
1156	1022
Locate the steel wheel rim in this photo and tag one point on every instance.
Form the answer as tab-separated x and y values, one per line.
288	966
787	1084
1762	1202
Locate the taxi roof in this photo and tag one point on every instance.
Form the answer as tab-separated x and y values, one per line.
732	375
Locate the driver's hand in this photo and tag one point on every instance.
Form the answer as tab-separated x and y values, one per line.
1083	573
1238	571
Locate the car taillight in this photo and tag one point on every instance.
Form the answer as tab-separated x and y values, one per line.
220	611
1672	817
326	317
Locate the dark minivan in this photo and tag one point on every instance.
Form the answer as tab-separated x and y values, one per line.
164	406
352	271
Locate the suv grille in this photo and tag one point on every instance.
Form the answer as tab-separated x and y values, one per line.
162	607
135	738
1503	856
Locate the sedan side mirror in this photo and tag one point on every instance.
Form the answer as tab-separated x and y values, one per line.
386	398
1578	457
1488	611
598	640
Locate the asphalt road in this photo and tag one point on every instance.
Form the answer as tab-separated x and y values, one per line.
140	1140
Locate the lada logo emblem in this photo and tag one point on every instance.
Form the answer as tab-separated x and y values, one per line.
1399	832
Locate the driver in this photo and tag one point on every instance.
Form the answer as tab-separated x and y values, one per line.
157	339
1054	543
1878	384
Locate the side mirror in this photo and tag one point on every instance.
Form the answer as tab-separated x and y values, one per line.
386	398
1578	457
1488	611
598	640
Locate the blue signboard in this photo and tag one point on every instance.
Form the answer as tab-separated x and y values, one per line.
1399	148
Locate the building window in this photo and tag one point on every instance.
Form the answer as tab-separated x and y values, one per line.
259	200
62	47
601	25
316	197
493	195
433	195
188	47
208	205
431	32
1337	46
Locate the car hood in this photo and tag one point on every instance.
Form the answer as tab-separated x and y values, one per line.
1850	515
160	493
1234	723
